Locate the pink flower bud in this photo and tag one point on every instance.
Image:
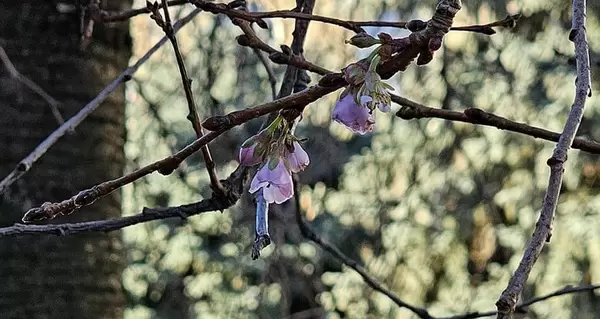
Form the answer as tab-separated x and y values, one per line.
354	73
248	154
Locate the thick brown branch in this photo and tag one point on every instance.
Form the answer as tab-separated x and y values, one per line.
233	189
167	165
414	110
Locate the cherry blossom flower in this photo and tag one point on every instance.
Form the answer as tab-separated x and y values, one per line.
354	116
276	183
298	159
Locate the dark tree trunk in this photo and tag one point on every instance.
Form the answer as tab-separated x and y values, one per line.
49	276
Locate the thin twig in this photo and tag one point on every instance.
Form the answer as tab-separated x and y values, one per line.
414	110
524	306
25	164
112	16
14	73
250	39
543	227
270	72
257	17
187	87
312	235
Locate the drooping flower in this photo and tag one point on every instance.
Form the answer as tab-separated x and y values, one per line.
277	185
354	116
297	159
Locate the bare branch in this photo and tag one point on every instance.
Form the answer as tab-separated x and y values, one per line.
25	164
233	190
414	110
187	87
524	306
310	234
229	9
12	70
110	16
543	227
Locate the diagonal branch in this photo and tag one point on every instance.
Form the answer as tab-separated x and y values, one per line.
12	70
543	227
309	233
187	87
166	165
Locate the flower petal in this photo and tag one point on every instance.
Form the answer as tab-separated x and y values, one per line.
355	117
277	184
298	159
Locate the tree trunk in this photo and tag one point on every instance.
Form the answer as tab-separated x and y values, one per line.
48	276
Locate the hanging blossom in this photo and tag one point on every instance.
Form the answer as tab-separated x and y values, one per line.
365	92
280	156
354	116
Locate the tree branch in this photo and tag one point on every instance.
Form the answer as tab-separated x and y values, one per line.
524	306
543	227
187	87
229	9
414	110
233	186
12	70
312	235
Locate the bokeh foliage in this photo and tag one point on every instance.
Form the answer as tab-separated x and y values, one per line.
439	211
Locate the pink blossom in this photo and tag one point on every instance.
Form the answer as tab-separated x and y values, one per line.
248	155
355	117
276	184
298	159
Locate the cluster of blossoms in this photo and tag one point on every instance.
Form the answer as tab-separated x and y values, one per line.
365	92
280	154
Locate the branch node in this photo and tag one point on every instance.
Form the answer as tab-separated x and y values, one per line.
553	161
573	34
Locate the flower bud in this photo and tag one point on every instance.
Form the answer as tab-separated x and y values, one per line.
362	40
354	74
249	155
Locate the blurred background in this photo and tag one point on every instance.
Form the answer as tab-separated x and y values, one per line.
438	211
